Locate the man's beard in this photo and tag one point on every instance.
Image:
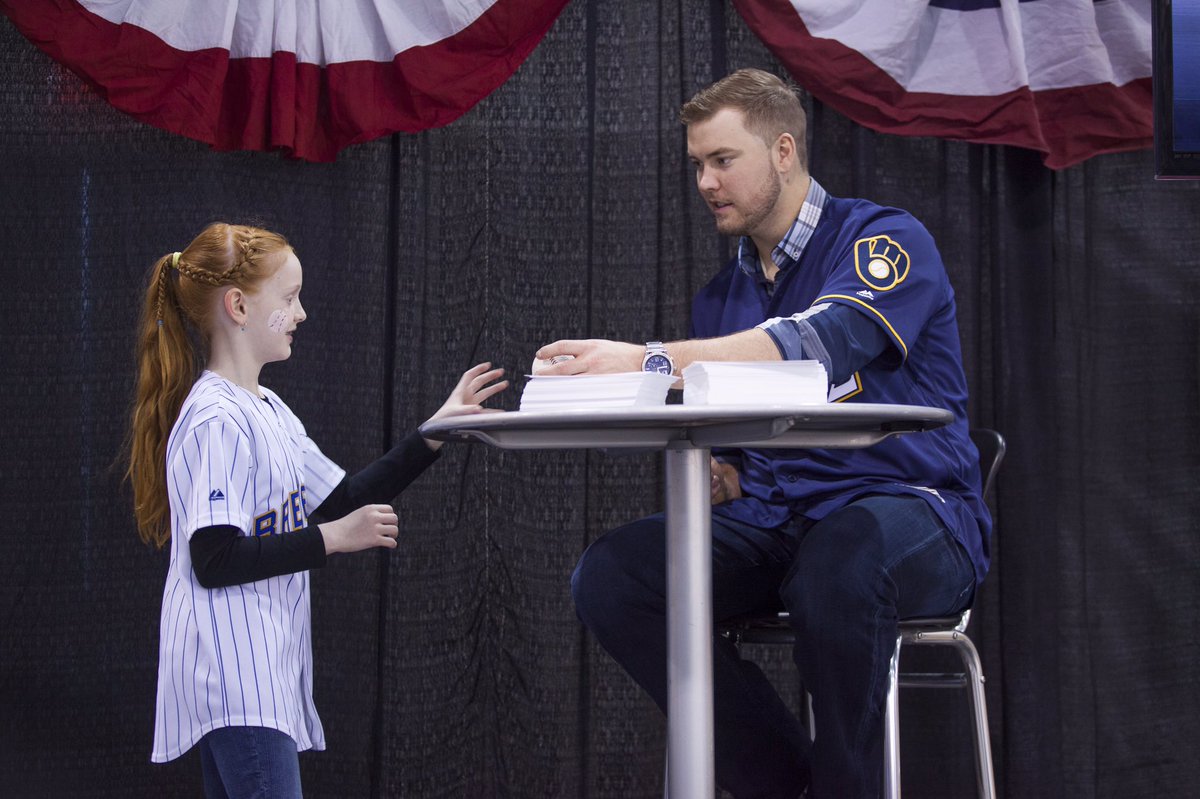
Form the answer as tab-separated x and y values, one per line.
758	209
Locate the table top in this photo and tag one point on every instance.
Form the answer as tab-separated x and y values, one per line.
832	425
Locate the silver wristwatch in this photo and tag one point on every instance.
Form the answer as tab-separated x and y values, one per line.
656	359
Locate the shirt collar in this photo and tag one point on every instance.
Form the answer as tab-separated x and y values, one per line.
787	251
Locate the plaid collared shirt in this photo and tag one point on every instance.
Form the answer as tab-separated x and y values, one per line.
787	252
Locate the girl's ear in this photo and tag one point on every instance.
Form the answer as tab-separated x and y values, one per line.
234	304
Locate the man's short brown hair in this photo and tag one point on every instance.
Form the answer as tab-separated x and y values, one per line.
770	106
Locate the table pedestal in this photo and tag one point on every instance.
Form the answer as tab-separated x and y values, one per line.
689	624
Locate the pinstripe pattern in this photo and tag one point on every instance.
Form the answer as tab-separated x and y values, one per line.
240	655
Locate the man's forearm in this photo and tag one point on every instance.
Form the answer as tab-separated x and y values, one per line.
748	345
602	356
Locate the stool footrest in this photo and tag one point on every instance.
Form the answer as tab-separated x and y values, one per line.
933	680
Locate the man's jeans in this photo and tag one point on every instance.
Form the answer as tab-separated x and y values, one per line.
845	581
249	763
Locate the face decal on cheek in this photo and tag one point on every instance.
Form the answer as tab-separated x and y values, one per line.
278	321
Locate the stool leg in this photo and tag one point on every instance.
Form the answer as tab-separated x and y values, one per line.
891	728
812	719
983	745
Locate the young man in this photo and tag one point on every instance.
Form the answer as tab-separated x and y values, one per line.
848	541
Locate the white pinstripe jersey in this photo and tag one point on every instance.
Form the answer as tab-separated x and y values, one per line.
241	655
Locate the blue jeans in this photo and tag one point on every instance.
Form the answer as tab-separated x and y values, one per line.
845	580
250	763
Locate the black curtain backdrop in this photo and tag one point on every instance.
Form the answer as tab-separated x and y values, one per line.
563	206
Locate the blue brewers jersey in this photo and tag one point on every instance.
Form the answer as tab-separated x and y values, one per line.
240	655
882	263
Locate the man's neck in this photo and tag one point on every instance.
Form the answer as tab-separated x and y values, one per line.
788	206
767	264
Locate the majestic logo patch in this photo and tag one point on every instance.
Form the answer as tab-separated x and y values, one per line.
881	263
215	495
865	293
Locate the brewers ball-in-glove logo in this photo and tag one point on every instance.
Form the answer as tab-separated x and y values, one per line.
880	262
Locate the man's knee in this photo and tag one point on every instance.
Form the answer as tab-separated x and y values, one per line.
589	574
616	572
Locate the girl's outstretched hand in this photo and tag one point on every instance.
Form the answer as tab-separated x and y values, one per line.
476	386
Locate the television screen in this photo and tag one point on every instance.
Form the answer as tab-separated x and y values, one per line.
1176	48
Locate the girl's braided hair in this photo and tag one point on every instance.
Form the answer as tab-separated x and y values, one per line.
178	309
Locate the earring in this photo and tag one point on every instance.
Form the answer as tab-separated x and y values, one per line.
243	328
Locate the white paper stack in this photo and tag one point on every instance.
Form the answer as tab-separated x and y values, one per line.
755	383
622	390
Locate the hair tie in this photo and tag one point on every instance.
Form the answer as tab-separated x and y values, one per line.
175	260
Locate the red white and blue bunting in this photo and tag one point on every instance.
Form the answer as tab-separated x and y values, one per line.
307	78
1070	78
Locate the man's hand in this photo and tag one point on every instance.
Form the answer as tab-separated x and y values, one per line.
589	357
725	484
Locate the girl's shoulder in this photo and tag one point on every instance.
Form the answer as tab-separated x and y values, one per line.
215	399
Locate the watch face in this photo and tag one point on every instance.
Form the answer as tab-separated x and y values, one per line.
657	363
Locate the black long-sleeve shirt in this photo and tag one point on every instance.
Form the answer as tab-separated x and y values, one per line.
222	555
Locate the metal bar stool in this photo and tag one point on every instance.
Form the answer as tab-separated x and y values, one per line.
945	632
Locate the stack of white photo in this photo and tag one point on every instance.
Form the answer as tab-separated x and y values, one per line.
622	390
755	383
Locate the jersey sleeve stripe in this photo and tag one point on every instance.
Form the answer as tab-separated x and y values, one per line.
882	318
